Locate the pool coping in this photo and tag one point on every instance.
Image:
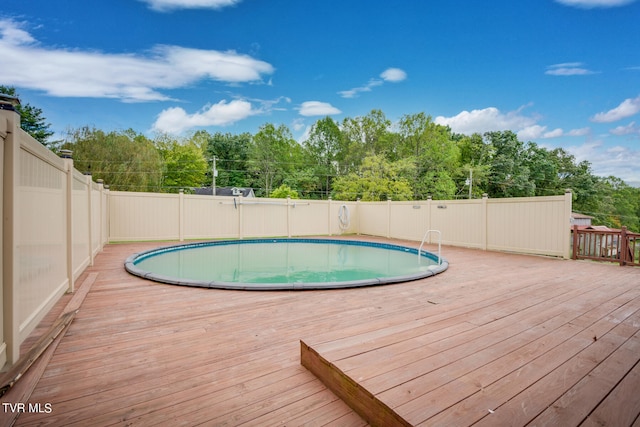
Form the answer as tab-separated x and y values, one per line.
131	267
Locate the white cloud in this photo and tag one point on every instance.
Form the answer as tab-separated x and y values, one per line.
628	108
630	129
540	132
129	77
588	4
317	108
579	132
531	132
176	120
618	161
491	119
556	133
352	93
391	75
298	124
488	119
167	5
568	69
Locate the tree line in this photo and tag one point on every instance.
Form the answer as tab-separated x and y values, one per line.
366	157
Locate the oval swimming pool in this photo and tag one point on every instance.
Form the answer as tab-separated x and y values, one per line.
270	264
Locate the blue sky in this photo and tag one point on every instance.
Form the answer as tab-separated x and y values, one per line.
562	73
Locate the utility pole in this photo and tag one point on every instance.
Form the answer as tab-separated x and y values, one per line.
470	181
214	173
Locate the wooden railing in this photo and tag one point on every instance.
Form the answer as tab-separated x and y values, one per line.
619	246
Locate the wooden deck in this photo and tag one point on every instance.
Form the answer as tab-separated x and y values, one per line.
498	339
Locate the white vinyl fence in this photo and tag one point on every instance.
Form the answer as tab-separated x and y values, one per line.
54	223
534	225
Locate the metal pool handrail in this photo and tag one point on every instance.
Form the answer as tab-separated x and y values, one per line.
439	243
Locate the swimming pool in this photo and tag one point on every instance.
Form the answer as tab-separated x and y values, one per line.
270	264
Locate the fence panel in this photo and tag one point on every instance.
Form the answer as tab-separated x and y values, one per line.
207	217
409	220
266	218
310	217
538	225
143	216
461	222
42	238
373	218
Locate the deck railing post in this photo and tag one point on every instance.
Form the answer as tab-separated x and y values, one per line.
624	244
576	242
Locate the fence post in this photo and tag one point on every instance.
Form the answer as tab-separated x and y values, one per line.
240	218
358	215
10	225
90	214
102	211
568	199
181	215
289	216
68	166
388	217
485	217
623	246
329	216
107	220
428	225
3	135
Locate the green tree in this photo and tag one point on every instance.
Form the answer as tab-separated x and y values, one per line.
474	167
273	155
184	164
232	155
578	177
543	170
322	146
619	204
363	136
125	160
378	180
509	176
435	154
32	119
283	192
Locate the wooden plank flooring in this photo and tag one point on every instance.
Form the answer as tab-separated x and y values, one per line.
532	339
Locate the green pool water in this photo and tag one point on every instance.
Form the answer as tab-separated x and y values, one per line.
284	263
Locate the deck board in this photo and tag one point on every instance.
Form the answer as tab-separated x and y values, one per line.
523	336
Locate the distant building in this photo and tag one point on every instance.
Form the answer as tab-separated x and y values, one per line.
225	191
580	219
